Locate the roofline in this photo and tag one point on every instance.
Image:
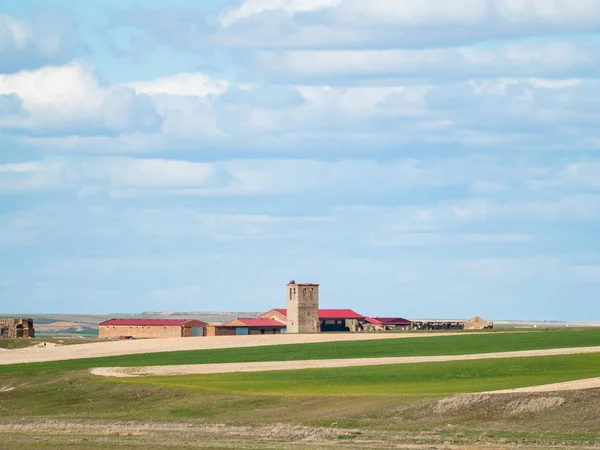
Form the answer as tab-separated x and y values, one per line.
182	321
303	284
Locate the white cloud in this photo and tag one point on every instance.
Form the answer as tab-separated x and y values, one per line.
152	173
419	13
182	84
31	176
48	37
250	8
70	100
13	33
132	177
556	59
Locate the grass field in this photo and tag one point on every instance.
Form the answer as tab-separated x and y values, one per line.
407	379
425	346
59	405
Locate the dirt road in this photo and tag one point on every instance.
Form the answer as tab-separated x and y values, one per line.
197	369
577	385
132	347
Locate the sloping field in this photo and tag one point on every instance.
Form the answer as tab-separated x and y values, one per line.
58	404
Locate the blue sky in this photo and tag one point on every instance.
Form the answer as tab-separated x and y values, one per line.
417	158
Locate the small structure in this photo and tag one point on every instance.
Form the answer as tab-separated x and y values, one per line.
16	328
329	319
477	323
246	326
151	328
303	307
388	323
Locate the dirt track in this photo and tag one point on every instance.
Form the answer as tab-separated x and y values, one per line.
197	369
577	385
115	348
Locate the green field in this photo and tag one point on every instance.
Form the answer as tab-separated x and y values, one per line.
445	378
419	346
60	405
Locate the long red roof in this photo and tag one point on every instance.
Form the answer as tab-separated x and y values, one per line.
146	322
331	313
388	321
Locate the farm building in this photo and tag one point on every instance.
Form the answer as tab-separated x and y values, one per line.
16	328
477	323
151	328
388	323
329	319
243	327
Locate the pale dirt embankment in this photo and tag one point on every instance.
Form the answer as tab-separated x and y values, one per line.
133	347
202	369
577	385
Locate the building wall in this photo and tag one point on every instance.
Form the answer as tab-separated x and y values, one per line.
303	308
268	330
116	331
16	328
215	330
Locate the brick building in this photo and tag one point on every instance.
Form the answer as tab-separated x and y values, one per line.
151	328
16	328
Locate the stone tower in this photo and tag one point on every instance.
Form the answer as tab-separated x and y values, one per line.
302	308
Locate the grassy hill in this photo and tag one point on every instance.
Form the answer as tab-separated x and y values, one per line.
60	405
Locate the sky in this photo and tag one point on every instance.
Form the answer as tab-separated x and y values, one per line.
417	158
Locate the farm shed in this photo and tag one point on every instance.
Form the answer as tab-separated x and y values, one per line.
242	327
151	328
388	323
330	319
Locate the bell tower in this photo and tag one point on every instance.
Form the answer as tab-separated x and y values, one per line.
303	308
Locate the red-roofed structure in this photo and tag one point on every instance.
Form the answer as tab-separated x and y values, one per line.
330	319
389	323
323	314
245	326
151	328
257	323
